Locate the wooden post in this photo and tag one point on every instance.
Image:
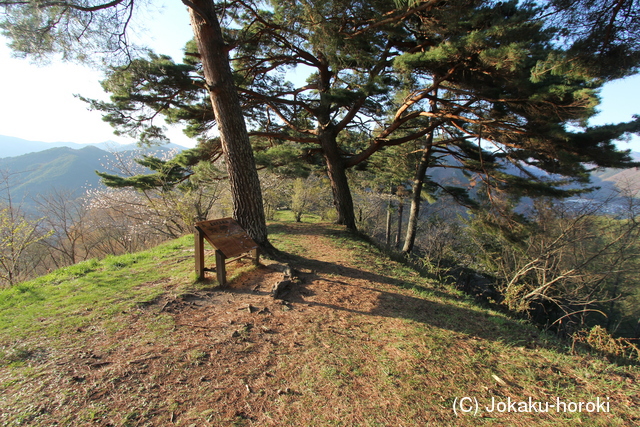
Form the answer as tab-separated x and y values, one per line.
221	271
256	256
199	243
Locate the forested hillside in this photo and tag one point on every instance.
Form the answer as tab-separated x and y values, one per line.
56	168
66	169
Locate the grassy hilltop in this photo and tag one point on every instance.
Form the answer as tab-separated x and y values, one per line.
360	341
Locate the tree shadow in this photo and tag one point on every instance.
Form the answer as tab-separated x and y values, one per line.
450	314
431	306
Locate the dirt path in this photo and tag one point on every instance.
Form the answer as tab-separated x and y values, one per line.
230	352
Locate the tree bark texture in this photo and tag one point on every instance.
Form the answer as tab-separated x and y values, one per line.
400	214
387	231
336	171
243	176
416	199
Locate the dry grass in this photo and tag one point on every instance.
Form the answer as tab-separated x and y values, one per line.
361	341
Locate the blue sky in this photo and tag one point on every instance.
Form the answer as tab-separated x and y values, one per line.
38	102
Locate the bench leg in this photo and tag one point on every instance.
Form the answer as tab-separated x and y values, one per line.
221	271
199	246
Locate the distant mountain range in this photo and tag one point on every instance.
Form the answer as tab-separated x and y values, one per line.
40	167
39	171
11	146
622	178
55	168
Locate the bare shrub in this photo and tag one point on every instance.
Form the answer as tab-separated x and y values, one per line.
566	265
18	236
600	340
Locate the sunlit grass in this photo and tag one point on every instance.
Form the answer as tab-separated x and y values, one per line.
289	216
76	296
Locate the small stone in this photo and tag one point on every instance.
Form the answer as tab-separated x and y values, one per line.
281	392
265	310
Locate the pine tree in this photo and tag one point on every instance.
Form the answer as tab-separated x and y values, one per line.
489	80
500	94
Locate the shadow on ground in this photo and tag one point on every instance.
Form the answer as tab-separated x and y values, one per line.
346	285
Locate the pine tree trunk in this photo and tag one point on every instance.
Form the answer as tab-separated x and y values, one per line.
400	213
387	234
416	199
337	174
243	177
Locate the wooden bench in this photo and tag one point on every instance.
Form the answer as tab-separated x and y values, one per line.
230	242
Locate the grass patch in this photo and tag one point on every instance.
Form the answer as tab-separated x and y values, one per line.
289	216
81	295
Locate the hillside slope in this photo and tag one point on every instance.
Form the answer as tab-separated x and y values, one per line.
360	341
55	168
11	146
65	169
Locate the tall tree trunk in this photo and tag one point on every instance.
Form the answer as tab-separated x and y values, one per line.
336	168
400	214
243	176
387	233
416	199
337	174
